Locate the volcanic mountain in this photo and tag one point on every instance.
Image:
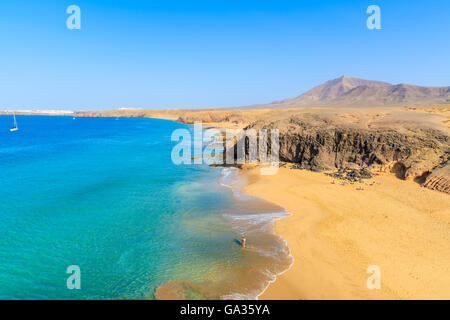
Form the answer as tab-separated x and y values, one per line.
353	92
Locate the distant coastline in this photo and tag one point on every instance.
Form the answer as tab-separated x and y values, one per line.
38	112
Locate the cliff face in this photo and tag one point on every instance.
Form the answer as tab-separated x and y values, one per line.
439	179
320	144
323	148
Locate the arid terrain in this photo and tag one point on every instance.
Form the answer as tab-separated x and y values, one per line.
354	92
397	217
344	123
411	142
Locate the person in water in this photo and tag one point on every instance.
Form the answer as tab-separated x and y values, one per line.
243	241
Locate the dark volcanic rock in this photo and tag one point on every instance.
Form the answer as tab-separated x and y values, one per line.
353	175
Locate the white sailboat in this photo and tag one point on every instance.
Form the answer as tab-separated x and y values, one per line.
15	128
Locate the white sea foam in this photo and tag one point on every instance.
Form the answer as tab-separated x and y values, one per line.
263	221
229	177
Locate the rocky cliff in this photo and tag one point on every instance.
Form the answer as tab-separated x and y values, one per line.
410	151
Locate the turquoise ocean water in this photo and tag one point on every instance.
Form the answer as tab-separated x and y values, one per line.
104	194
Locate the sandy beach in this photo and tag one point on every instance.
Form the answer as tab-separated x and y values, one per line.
336	232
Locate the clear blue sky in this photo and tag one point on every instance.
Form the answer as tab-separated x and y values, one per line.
191	53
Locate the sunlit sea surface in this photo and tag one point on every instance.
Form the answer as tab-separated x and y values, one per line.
103	194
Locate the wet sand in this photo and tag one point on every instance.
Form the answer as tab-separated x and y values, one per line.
336	232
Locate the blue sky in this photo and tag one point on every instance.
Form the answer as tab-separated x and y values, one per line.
158	54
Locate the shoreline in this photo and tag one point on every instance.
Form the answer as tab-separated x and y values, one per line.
335	232
250	270
243	175
242	172
238	188
351	282
281	273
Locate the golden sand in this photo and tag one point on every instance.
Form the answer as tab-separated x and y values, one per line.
336	232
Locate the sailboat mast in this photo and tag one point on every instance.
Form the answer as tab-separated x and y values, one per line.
15	128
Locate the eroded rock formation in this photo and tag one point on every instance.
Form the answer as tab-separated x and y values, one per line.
439	179
410	152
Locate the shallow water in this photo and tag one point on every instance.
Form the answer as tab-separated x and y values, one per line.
104	194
